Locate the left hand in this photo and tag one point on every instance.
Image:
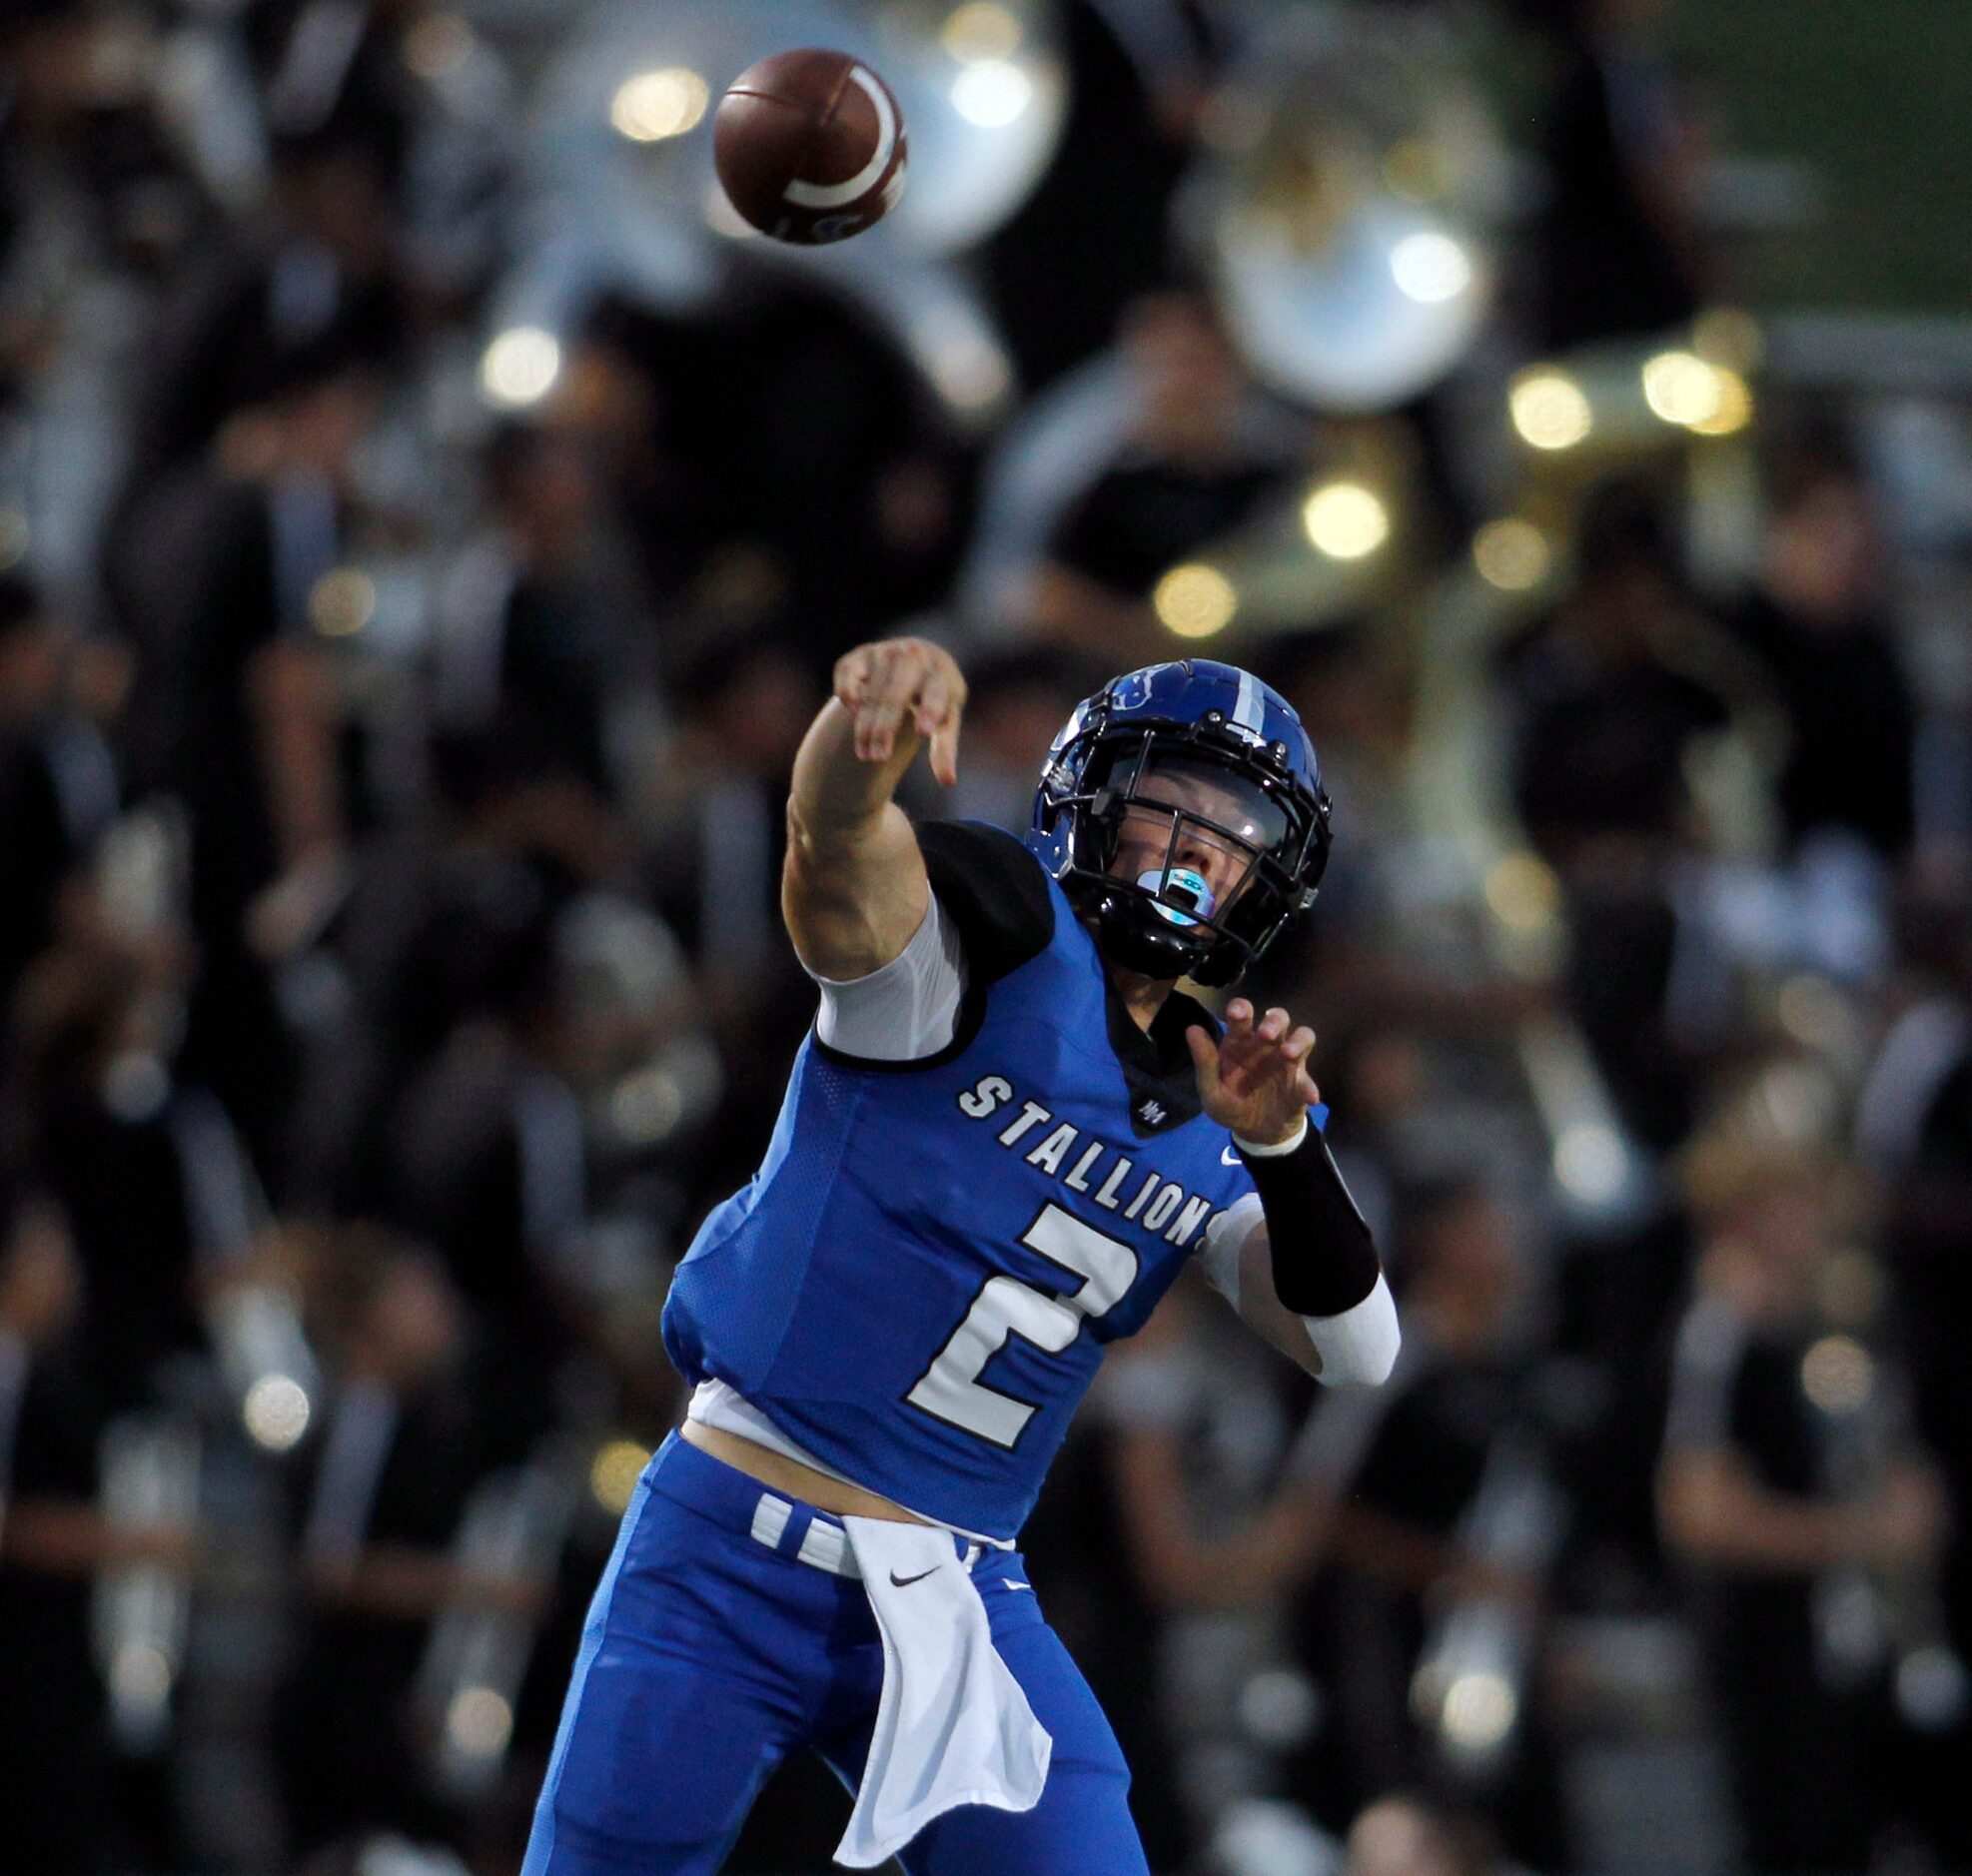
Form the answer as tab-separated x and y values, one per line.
1255	1082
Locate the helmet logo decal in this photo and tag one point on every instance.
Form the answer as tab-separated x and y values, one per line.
1184	885
1133	691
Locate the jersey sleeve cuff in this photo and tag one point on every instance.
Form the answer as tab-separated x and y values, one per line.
1254	1151
903	1011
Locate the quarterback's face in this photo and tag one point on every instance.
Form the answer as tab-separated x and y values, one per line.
1206	866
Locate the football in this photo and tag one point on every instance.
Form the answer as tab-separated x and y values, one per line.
810	145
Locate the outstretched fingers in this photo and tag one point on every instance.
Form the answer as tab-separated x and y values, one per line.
1272	1050
938	708
885	686
1294	1054
897	681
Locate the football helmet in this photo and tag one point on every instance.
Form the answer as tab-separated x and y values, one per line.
1182	810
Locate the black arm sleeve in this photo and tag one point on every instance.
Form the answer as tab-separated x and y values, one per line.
1325	1261
993	890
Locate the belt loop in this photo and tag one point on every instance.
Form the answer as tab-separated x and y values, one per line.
802	1534
825	1546
770	1516
794	1538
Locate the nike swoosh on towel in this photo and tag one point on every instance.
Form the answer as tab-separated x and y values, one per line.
904	1583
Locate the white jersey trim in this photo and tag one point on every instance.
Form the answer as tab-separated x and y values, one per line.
719	1405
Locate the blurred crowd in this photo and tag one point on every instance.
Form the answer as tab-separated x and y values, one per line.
390	976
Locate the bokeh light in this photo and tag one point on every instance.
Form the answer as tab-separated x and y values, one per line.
613	1473
341	602
478	1723
1511	554
140	1676
276	1412
1431	267
653	106
1680	388
1480	1710
1735	405
1729	335
1345	521
438	45
1590	1163
1837	1375
520	366
1549	409
991	93
981	30
1685	390
1521	892
1194	601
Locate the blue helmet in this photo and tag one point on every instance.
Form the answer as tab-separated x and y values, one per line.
1219	760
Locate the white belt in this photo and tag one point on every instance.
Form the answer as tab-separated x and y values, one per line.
824	1543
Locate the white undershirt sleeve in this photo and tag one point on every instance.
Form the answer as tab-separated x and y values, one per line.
1357	1347
907	1010
1225	1243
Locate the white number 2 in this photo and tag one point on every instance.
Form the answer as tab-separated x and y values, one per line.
951	1389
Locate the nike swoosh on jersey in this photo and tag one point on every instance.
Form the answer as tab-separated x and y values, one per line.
1011	1584
1229	1156
904	1583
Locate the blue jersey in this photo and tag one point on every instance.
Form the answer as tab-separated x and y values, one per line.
918	1284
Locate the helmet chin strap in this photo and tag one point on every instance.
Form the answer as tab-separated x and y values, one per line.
1134	933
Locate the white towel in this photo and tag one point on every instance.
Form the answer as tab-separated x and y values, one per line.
952	1724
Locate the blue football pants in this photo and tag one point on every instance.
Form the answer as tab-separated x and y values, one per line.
712	1650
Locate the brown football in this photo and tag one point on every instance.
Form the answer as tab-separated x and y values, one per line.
810	145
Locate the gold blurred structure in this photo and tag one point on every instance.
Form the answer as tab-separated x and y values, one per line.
1343	204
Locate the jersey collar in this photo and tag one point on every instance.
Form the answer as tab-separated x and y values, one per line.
1157	1062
